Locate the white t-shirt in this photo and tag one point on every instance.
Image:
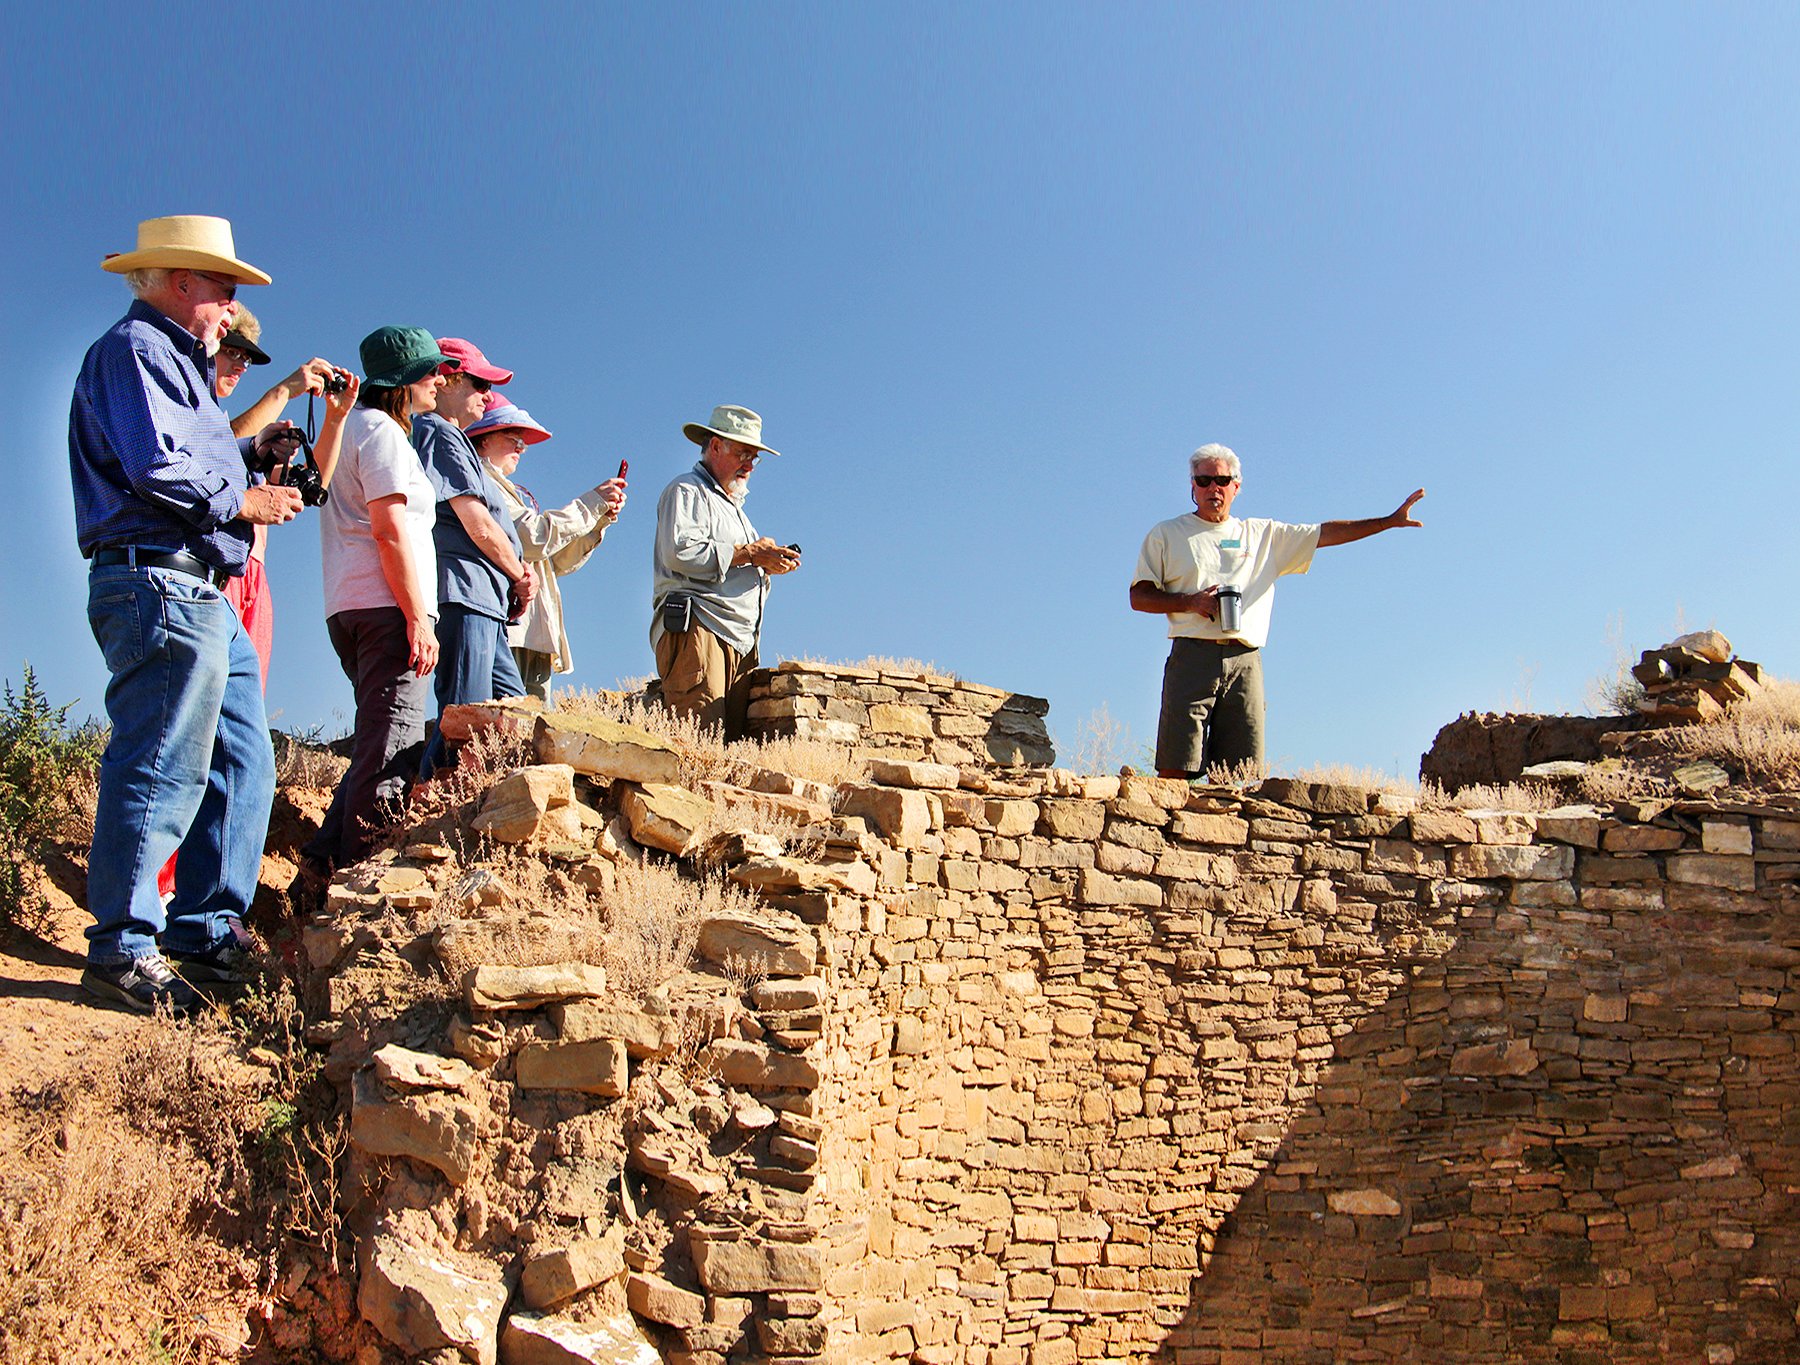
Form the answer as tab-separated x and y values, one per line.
1190	554
376	461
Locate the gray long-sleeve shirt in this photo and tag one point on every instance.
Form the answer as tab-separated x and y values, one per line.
697	527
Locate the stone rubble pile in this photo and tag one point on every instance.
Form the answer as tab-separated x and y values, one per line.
1693	678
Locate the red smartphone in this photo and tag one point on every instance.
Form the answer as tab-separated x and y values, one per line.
624	468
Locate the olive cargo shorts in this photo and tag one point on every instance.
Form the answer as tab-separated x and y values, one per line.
1212	706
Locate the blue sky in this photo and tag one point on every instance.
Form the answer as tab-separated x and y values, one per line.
990	273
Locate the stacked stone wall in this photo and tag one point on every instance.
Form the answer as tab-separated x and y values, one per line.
901	713
1125	1071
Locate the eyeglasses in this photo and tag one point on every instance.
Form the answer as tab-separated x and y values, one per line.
227	288
478	384
516	442
1214	480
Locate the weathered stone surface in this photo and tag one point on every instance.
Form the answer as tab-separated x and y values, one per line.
1522	862
439	1128
902	816
889	718
893	772
1515	1057
1712	869
538	1339
464	720
405	1069
806	993
1100	888
525	988
759	1067
659	1300
752	1265
772	945
665	816
1070	819
551	1278
593	1068
1204	828
1578	825
421	1298
801	810
520	805
605	748
644	1034
1364	1202
799	874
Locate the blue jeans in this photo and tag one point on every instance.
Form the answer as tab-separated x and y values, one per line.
474	664
189	765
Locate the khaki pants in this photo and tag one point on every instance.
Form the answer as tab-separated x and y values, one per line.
1212	706
702	676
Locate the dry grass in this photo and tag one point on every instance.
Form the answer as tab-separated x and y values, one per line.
1102	744
642	928
883	663
304	760
1759	738
1519	796
151	1196
487	757
1344	775
707	757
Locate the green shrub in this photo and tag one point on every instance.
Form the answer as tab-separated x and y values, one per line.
46	772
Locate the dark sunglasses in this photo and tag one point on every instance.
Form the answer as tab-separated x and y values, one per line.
1214	480
479	385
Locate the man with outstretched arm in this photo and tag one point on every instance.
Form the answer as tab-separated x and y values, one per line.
1213	575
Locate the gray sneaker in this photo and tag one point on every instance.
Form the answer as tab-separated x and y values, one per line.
227	964
143	984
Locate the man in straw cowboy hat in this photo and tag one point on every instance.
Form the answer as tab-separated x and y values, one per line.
164	512
712	572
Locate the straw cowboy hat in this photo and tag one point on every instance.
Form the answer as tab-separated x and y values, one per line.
185	242
731	422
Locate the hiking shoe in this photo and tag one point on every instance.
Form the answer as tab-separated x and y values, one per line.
227	964
143	984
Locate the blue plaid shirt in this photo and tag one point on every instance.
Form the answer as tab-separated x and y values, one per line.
151	454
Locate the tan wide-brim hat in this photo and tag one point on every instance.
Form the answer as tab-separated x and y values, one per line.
185	242
731	422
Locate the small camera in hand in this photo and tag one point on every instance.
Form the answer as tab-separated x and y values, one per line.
298	470
335	382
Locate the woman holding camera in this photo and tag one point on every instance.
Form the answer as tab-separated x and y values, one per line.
556	543
380	586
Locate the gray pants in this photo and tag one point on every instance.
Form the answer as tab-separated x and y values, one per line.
390	731
534	670
1212	706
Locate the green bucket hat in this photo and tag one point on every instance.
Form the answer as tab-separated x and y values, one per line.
393	356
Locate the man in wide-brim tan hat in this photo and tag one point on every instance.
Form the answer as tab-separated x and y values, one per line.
712	573
164	512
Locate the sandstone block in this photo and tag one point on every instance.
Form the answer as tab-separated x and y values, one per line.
1578	825
660	1300
595	1068
422	1299
586	1021
753	1265
605	748
1368	1203
1521	862
772	945
799	874
665	816
613	1339
792	1336
1641	839
517	806
804	993
1718	836
890	772
404	1069
463	721
1713	869
1200	827
1101	888
1011	818
902	816
759	1067
438	1128
1169	793
1516	1057
526	988
552	1278
1067	819
1441	827
892	718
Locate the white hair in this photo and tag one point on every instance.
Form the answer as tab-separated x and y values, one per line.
146	280
1214	451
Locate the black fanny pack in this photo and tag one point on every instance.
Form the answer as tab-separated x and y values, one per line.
677	613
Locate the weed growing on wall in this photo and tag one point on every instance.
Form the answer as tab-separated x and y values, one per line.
46	791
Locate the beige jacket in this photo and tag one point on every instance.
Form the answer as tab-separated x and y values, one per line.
556	542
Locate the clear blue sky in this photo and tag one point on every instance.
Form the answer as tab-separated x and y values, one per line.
990	273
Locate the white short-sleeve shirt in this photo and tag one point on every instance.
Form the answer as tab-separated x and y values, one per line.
1190	554
375	461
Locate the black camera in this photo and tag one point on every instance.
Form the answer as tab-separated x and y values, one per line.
335	382
298	470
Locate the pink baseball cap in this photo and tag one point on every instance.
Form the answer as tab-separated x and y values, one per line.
472	361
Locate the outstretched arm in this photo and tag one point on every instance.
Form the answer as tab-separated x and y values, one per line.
1343	532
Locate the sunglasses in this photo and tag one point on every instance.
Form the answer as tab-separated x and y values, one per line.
479	385
228	288
1214	480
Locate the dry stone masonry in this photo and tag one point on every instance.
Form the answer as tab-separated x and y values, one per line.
1015	1067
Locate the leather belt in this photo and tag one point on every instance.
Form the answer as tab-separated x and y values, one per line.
179	560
